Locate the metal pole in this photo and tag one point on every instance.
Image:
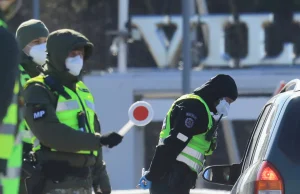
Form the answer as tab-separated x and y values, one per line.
36	9
186	49
123	19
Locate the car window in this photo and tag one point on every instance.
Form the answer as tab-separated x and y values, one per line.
255	135
262	142
289	131
250	138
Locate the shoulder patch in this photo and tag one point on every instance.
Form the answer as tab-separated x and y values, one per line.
189	122
182	137
39	113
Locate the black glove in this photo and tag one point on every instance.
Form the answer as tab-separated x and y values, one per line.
111	139
97	190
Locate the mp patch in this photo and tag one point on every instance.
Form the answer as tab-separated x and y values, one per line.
189	122
38	114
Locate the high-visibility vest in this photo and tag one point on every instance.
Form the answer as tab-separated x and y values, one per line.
27	134
11	141
198	147
11	149
24	77
67	109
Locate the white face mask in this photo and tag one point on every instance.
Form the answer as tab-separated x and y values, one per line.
74	64
223	108
38	53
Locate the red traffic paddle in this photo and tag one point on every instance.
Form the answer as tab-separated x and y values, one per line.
140	114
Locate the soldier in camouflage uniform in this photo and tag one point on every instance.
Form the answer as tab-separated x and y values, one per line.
60	113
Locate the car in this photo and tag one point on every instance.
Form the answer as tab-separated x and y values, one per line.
271	161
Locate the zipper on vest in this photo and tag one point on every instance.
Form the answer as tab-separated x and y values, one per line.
85	113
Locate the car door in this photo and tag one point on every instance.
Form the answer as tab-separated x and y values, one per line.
246	161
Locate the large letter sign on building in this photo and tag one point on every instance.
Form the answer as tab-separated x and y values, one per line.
166	56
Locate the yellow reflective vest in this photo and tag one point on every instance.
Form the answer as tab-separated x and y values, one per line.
11	139
11	143
27	135
68	109
198	147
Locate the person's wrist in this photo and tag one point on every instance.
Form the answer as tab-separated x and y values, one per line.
98	135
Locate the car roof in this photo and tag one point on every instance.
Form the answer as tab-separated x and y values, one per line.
288	90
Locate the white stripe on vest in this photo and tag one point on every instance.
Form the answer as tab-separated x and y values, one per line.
67	105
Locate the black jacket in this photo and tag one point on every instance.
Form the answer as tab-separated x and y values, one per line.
9	55
189	117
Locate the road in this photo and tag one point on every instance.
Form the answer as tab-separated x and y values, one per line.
193	191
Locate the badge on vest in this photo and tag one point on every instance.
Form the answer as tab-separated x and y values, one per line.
39	114
189	122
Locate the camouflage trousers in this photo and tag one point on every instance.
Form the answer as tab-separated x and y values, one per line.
71	191
70	185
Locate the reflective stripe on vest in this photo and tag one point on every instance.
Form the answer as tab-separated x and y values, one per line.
68	105
12	149
90	104
8	129
191	152
12	173
193	165
72	104
67	110
194	153
27	136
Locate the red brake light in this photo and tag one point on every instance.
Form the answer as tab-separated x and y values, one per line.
268	179
268	174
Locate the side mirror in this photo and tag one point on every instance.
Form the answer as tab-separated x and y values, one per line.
222	174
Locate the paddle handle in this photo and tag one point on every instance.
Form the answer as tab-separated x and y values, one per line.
126	128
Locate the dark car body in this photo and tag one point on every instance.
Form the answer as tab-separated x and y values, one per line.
271	161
